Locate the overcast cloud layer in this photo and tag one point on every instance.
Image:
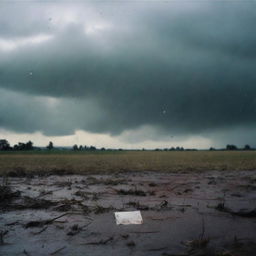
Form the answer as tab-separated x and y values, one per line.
184	68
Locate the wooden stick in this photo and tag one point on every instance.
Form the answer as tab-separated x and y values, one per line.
55	252
41	231
52	220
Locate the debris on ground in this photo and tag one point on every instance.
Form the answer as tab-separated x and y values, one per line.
127	218
100	242
58	250
131	192
131	244
2	234
40	223
75	229
7	195
34	203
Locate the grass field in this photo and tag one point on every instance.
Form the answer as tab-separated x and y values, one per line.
102	162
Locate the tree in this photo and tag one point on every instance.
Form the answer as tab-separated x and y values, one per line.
81	148
29	145
75	147
4	145
231	147
50	146
92	148
247	147
16	147
21	146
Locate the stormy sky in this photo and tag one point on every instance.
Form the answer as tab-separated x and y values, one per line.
128	73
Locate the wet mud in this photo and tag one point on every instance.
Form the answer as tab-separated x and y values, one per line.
201	213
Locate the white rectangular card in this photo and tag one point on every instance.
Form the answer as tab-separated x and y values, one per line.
127	218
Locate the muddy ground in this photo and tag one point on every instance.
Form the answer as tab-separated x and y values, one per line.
203	213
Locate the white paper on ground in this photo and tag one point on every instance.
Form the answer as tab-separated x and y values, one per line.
126	218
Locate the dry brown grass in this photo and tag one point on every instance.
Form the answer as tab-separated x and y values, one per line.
126	161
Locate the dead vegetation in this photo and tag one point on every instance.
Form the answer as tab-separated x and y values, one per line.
142	207
108	182
33	203
98	209
100	242
7	195
138	206
2	234
67	205
131	192
41	223
131	244
197	246
75	229
10	200
58	250
83	194
152	184
63	207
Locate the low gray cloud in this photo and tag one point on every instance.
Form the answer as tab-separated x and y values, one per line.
184	69
25	113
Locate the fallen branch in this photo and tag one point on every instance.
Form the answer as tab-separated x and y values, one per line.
103	242
43	222
41	231
55	252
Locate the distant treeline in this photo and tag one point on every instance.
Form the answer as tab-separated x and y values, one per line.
21	146
5	146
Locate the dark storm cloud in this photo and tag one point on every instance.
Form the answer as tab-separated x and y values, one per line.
187	69
24	113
